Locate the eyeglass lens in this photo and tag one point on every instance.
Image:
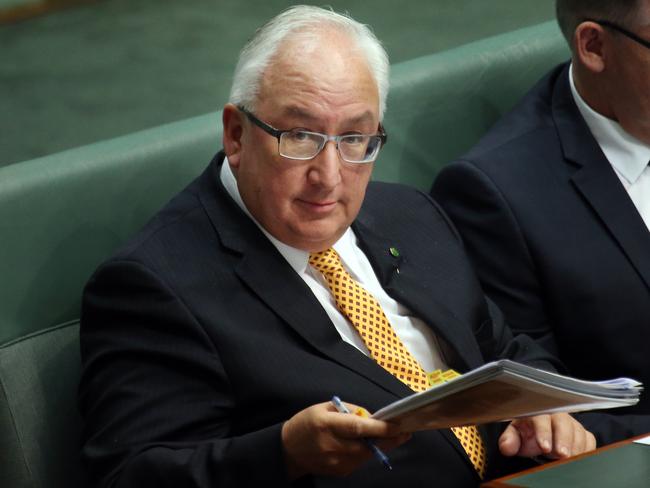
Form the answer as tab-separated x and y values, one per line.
354	148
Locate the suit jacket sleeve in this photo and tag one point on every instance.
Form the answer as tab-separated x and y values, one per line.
496	247
157	393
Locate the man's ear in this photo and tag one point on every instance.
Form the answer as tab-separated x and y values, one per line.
233	130
590	46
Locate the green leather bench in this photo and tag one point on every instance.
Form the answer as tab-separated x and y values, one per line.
61	215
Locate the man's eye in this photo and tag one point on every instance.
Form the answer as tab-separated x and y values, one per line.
354	139
299	136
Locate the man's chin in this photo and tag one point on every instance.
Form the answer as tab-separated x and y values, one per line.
314	240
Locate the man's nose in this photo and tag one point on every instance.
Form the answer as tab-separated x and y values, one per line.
326	168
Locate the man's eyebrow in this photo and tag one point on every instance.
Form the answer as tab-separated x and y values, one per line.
359	119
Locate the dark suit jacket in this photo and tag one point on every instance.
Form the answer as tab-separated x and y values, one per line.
555	239
199	341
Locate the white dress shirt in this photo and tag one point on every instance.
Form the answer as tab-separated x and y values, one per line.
628	156
416	336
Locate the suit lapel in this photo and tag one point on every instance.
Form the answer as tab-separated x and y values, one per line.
261	267
618	214
295	303
596	181
407	287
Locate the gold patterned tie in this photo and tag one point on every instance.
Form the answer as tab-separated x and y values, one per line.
367	316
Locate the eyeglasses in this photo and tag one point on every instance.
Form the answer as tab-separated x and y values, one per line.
303	145
625	32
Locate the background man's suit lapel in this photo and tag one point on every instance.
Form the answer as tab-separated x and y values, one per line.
596	181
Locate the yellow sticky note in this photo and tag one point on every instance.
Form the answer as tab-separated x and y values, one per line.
450	374
435	377
438	377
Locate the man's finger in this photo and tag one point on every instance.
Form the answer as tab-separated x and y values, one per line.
579	439
591	442
563	432
543	427
349	426
510	441
389	443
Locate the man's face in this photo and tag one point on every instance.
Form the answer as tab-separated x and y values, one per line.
628	77
308	204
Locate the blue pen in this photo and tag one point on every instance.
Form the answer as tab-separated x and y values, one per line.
336	401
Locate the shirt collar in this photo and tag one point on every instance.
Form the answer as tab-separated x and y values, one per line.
297	258
628	155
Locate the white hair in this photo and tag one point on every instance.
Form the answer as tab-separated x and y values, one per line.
258	53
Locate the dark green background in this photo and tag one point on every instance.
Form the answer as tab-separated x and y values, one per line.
77	76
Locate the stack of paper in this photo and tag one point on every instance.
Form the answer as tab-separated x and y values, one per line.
504	390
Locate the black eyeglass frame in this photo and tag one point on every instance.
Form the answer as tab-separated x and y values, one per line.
269	129
622	30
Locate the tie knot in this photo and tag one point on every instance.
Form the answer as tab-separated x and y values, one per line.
327	261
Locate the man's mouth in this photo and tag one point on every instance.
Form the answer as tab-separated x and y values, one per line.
317	205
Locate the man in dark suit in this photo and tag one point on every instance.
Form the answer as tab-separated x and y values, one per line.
212	342
553	204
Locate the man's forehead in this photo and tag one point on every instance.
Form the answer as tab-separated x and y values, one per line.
326	88
303	113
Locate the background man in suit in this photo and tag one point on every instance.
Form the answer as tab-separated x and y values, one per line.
212	342
553	204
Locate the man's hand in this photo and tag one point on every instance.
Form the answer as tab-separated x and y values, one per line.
554	436
319	440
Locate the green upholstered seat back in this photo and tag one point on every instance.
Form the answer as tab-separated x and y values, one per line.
440	105
39	423
61	215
